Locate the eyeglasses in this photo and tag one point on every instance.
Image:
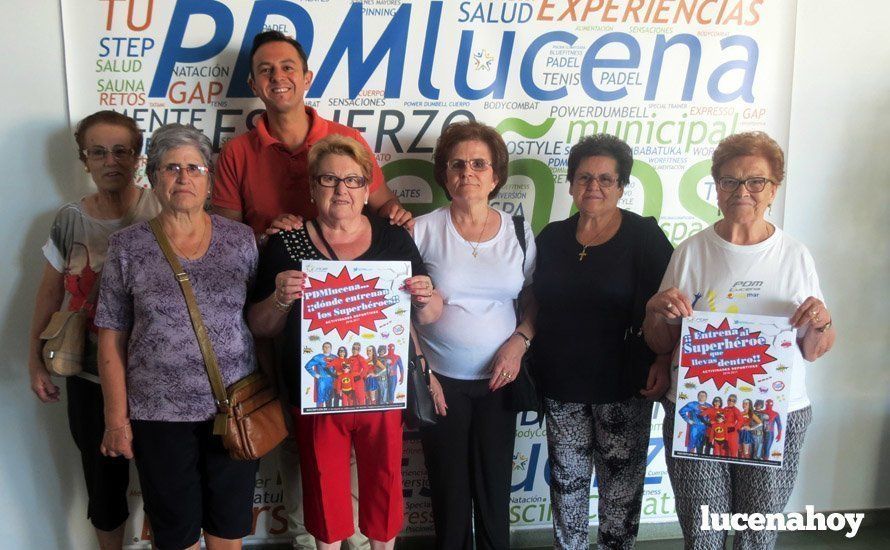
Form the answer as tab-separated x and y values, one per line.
330	180
97	152
604	180
754	185
477	165
191	170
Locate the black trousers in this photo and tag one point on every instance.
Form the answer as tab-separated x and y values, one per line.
106	477
469	454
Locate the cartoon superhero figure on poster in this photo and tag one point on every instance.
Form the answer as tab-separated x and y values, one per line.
360	310
732	388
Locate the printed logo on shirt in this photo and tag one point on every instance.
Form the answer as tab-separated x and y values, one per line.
710	297
742	290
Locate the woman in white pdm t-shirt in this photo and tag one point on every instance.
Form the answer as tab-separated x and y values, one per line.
741	264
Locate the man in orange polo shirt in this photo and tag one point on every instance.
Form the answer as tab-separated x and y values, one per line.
263	174
263	177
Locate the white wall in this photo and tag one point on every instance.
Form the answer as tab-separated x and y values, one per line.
42	498
837	204
837	199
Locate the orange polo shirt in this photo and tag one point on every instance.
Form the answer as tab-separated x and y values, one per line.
259	177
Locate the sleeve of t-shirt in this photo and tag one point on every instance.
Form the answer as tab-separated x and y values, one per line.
376	172
531	254
404	248
656	257
251	255
61	239
268	266
115	307
227	184
815	289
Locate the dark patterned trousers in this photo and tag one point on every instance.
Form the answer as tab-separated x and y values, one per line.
732	488
614	437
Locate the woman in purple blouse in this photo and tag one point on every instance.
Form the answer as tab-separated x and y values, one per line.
158	402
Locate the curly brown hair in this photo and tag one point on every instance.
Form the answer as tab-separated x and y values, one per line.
757	144
460	132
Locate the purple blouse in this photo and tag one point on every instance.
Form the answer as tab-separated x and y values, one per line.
166	379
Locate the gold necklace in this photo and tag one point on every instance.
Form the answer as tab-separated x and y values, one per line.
197	248
583	253
475	247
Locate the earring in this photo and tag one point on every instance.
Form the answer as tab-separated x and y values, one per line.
769	208
311	199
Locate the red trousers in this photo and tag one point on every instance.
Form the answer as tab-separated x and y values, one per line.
325	443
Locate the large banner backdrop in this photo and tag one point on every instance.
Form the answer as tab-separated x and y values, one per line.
670	77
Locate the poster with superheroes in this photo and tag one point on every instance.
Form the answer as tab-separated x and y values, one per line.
355	322
732	388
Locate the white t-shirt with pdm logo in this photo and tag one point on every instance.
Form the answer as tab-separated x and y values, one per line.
769	278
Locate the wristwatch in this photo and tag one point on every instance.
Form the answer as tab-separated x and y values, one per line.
525	339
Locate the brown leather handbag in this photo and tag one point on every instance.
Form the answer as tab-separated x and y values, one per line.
249	416
64	339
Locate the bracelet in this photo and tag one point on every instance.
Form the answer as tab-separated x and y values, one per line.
525	339
280	306
127	425
824	327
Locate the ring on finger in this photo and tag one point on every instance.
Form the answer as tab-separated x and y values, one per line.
670	305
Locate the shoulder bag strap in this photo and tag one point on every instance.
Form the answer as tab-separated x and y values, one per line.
519	228
90	298
216	381
324	241
94	291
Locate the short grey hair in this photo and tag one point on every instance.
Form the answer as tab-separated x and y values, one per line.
172	136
